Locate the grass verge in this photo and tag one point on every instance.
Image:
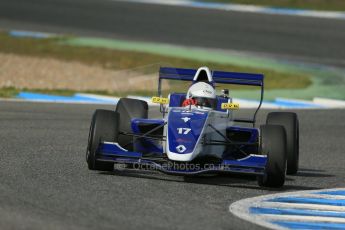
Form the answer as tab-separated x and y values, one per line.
119	60
331	5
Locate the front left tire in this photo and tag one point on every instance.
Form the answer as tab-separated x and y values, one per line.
104	127
290	123
273	145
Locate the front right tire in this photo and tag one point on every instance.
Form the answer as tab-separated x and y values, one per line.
129	109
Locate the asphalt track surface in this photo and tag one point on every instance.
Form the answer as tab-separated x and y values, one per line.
45	183
294	38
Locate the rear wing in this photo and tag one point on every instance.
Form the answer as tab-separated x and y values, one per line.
218	76
222	77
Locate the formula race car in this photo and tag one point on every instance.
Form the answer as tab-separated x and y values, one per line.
197	133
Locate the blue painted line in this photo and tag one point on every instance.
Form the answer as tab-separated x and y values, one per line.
286	103
336	193
296	212
309	225
304	200
54	98
92	96
88	98
295	104
39	96
206	5
280	10
29	34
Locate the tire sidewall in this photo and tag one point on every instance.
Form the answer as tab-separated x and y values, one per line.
104	127
273	144
289	121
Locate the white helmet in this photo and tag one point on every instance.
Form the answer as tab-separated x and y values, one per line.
203	93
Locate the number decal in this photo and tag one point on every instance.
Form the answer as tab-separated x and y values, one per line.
160	100
230	106
183	131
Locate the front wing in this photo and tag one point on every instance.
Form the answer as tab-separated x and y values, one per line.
113	152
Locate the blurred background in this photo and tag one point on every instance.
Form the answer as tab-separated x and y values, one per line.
93	52
56	50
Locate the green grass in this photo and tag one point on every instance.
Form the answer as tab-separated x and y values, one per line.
334	5
119	60
8	92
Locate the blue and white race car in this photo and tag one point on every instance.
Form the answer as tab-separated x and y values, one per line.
197	132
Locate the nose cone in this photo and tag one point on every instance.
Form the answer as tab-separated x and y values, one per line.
184	133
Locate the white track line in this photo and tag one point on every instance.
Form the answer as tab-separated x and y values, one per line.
241	208
270	217
323	196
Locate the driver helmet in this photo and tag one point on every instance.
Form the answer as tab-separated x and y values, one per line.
203	94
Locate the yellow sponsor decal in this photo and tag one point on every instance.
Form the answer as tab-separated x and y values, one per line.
230	106
160	100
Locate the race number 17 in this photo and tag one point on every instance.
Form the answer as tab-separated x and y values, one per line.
183	130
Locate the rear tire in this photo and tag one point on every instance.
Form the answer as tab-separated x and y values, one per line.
290	122
128	109
104	127
273	144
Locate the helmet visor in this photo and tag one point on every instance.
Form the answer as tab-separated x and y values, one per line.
205	102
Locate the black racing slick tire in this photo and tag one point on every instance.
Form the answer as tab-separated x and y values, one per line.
128	109
273	144
104	127
289	121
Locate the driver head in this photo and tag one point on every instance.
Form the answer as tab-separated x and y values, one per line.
204	94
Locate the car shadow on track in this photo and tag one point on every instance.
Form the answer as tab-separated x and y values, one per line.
305	172
226	180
